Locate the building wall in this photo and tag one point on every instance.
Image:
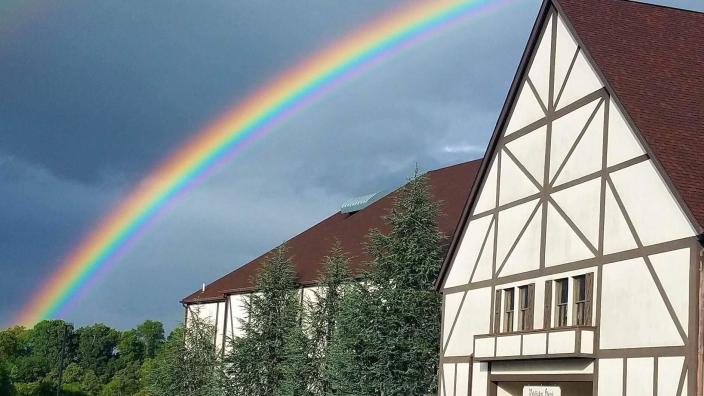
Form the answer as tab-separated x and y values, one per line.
228	316
571	190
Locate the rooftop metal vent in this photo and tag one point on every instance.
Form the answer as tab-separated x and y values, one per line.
358	203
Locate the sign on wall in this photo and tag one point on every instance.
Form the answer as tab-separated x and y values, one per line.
533	390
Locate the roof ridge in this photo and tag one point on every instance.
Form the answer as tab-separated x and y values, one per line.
643	2
458	190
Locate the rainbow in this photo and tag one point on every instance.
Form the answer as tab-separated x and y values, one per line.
258	113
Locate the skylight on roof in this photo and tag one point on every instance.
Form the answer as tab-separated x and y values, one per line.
358	203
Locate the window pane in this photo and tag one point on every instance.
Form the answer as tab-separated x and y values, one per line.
509	296
562	285
580	285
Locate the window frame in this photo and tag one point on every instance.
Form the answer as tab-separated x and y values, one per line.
523	312
562	288
509	309
582	307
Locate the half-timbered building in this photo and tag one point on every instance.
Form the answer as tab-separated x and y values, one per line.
576	267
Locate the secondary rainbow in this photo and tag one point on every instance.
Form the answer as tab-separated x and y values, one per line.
243	123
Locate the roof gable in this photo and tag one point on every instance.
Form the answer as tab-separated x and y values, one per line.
652	59
561	131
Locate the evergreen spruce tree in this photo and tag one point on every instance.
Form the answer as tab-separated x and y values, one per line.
388	326
189	364
320	321
272	346
297	365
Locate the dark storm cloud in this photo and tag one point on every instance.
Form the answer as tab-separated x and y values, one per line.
111	86
95	93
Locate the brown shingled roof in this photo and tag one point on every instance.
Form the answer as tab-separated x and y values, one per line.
450	186
652	57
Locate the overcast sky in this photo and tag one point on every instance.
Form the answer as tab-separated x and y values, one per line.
94	93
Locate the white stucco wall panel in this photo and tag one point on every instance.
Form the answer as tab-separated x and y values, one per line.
535	344
468	251
530	151
513	183
610	377
623	144
684	387
586	157
565	131
581	82
462	374
639	381
484	347
205	312
448	374
480	373
562	244
526	254
620	237
624	322
526	111
220	328
238	311
487	196
669	369
581	203
539	72
561	342
510	223
587	342
486	260
658	218
565	49
508	345
451	310
473	319
672	269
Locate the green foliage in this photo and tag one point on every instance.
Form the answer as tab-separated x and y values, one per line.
388	326
258	362
37	388
130	348
6	385
96	349
47	341
188	364
151	334
13	343
297	365
124	382
97	359
323	311
78	379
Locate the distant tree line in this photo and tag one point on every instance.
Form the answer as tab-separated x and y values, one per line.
95	360
377	334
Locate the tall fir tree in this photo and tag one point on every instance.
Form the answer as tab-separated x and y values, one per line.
187	365
389	325
322	315
272	346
